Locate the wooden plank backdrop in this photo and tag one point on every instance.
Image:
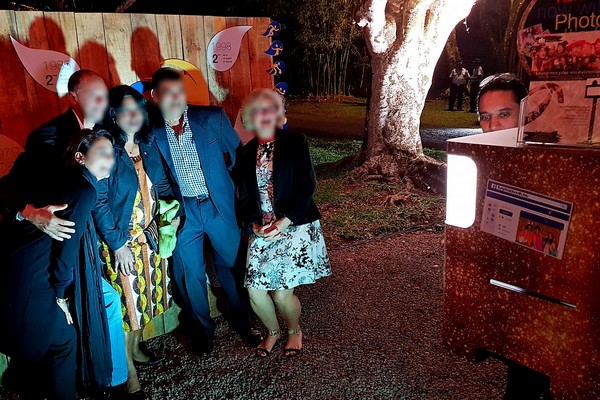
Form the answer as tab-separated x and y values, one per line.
123	49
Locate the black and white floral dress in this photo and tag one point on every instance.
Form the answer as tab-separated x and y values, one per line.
299	257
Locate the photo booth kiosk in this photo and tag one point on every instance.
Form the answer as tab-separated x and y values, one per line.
522	273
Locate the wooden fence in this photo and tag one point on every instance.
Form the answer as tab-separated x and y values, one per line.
123	48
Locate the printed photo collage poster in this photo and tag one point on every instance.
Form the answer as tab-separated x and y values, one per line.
559	46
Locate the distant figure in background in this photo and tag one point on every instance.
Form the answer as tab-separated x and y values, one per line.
286	249
459	77
499	102
476	78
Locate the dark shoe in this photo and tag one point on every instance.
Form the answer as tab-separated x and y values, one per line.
263	352
251	337
293	352
203	345
153	359
139	395
115	393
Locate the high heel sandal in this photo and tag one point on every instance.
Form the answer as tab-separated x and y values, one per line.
293	352
261	352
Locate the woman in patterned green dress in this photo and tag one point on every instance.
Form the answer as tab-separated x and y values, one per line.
129	249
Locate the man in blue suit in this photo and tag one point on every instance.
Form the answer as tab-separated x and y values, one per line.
199	146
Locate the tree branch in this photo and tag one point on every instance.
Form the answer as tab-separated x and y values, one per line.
125	6
378	28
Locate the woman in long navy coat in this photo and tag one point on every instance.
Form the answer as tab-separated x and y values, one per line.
51	303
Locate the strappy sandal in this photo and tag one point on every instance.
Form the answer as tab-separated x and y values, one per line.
293	352
261	352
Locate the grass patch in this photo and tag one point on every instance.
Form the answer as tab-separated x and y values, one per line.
361	210
435	114
348	110
328	151
439	155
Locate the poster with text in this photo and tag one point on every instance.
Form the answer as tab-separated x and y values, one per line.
560	39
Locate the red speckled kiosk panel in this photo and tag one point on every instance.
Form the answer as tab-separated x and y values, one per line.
559	341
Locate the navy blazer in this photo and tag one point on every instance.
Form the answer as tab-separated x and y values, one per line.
294	181
32	175
216	143
36	269
116	195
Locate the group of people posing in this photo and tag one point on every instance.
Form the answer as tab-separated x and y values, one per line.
531	236
101	198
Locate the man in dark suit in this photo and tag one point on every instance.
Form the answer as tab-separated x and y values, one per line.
29	181
199	146
43	155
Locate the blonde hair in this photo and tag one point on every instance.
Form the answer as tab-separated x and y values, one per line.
257	95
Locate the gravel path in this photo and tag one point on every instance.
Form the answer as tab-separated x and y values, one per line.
372	331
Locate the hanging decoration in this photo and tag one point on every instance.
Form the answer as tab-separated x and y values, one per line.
223	50
49	68
277	68
281	88
273	29
275	49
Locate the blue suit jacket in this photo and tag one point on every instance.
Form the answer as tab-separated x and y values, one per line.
216	143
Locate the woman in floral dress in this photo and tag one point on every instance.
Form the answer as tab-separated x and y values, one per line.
286	247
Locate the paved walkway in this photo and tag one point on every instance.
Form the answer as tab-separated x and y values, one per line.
372	331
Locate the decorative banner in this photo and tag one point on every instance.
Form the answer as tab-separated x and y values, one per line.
195	84
275	49
559	39
277	68
281	88
49	68
9	150
273	29
224	47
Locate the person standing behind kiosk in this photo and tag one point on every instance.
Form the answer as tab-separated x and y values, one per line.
499	102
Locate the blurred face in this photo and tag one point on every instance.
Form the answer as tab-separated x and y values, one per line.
91	98
130	117
99	159
498	110
264	118
171	99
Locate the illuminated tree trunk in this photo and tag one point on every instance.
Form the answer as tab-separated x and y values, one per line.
405	39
